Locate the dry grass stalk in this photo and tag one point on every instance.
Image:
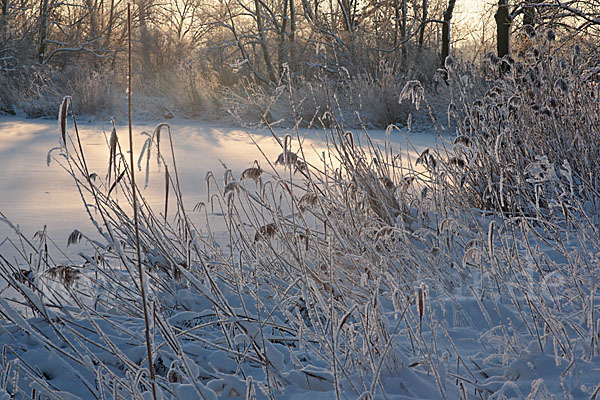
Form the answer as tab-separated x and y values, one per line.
74	238
135	212
62	119
265	232
66	274
253	173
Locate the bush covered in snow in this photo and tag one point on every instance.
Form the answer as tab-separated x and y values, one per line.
531	144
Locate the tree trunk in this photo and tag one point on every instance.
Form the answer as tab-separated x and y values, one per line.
3	19
282	35
423	23
263	42
146	49
403	26
346	9
529	13
446	32
4	33
109	26
292	35
43	33
396	21
503	22
92	9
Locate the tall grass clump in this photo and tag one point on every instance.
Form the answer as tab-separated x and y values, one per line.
530	144
357	98
181	90
525	160
34	91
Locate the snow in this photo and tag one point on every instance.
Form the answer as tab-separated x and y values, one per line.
228	330
35	195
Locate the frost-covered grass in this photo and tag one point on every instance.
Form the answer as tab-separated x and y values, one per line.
356	99
473	274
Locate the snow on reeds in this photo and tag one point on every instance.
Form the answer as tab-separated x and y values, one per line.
359	278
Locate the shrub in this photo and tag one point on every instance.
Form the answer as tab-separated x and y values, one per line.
532	143
36	90
182	90
369	99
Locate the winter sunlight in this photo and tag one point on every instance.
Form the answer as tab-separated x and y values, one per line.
299	200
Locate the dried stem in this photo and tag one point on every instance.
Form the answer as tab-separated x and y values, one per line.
135	209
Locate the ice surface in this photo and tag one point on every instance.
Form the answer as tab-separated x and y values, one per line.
34	195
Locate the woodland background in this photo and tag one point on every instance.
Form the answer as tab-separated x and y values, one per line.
216	59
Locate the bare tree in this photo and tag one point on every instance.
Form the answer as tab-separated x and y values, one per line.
504	20
446	31
348	9
263	41
43	30
572	16
146	44
424	7
403	32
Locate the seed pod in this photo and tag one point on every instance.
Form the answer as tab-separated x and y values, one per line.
449	63
529	31
514	101
252	173
562	86
463	140
421	294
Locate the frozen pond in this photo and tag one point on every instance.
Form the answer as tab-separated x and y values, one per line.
34	195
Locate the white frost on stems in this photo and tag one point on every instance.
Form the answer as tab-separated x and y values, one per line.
498	146
62	120
414	92
49	155
146	151
501	188
541	170
568	172
490	238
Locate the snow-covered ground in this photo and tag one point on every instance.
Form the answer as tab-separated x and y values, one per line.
439	303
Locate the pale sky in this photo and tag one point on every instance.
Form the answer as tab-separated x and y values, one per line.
473	25
472	7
